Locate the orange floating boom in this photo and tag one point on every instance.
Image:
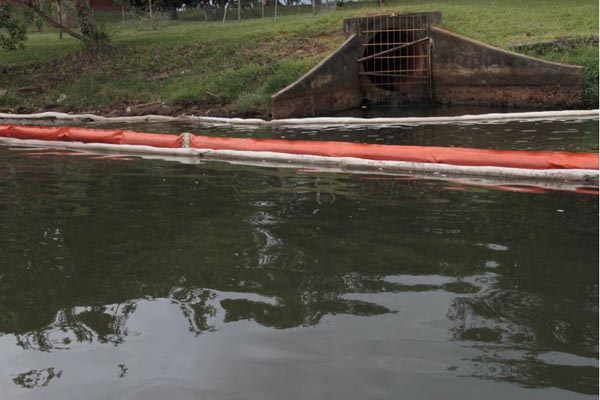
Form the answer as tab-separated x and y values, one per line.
538	160
418	154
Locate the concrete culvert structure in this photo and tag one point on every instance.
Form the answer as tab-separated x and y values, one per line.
406	58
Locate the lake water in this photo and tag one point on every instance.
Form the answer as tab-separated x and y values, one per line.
123	278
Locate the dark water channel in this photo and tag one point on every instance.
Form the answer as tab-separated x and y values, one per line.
138	279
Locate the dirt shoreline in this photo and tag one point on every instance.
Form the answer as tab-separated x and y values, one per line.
224	111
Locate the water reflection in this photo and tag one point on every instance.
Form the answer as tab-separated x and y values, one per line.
103	324
37	378
85	242
514	330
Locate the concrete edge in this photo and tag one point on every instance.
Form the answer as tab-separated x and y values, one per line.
503	51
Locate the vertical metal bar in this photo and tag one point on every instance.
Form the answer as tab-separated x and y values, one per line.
429	61
373	44
365	40
362	49
421	54
412	39
391	61
429	71
390	35
403	39
379	48
414	48
419	50
410	35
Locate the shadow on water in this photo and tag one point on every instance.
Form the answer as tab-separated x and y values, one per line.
86	242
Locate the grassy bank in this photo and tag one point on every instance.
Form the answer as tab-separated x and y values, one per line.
232	69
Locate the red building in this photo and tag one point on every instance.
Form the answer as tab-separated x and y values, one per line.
104	5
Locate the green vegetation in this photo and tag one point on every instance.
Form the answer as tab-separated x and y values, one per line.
194	66
579	52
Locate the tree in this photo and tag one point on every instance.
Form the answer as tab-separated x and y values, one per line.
12	31
316	6
153	6
59	4
172	9
88	34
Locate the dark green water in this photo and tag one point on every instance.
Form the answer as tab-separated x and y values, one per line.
138	279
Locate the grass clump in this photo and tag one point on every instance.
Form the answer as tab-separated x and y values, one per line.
206	89
280	75
583	51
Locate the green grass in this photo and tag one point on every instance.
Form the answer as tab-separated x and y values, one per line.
580	53
40	47
207	67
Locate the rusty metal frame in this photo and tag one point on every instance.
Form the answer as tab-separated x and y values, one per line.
397	51
394	49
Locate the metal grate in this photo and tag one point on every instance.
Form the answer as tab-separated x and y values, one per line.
396	51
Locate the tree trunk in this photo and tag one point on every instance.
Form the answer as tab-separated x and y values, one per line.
86	20
52	22
316	6
172	10
89	32
225	12
239	10
60	18
150	10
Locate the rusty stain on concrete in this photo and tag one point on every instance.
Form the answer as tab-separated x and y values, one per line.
320	81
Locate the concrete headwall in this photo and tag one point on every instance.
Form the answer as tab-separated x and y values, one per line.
466	71
329	87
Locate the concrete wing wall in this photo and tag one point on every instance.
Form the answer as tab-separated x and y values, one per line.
466	71
330	86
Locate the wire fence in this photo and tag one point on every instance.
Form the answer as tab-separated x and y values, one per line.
142	18
248	10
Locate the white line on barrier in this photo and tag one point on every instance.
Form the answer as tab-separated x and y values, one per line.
322	121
